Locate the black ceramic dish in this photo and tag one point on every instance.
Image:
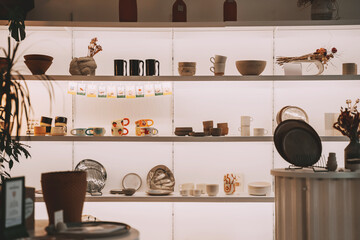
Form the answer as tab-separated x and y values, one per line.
304	158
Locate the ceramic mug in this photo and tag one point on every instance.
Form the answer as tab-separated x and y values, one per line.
212	189
61	122
218	59
58	131
45	121
148	131
245	120
218	69
119	131
78	131
96	131
245	131
120	122
260	131
144	123
39	131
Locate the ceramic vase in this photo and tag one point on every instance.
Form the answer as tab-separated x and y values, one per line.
64	191
127	11
352	151
322	9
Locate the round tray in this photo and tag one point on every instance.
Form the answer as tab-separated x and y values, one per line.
132	180
96	174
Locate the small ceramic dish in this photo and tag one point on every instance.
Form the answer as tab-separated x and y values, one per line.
259	188
197	134
132	180
158	192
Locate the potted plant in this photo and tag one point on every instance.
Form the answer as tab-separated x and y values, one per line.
321	9
15	106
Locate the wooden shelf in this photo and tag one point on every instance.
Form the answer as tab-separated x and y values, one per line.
86	24
174	197
163	139
192	78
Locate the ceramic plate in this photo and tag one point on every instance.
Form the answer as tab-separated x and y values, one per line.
96	174
291	112
287	126
132	180
160	177
157	192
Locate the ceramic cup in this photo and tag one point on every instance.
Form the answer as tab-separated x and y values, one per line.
96	131
218	59
349	69
187	186
202	187
148	131
39	131
245	120
224	128
260	131
58	131
293	69
197	192
208	125
212	189
184	192
45	121
61	122
245	131
78	131
120	122
119	131
144	123
218	69
216	131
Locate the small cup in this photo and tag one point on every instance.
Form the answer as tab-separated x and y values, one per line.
224	128
245	120
349	69
216	131
184	192
39	131
96	131
218	69
45	121
61	122
58	131
245	131
218	59
148	131
78	131
212	189
260	131
186	186
197	192
120	122
144	123
202	187
119	131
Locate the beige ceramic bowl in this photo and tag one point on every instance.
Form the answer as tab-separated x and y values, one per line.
259	188
187	71
187	64
250	67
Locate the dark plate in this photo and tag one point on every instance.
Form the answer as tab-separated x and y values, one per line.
73	230
286	126
301	147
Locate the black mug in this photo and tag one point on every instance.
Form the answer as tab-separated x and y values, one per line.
119	67
150	67
135	67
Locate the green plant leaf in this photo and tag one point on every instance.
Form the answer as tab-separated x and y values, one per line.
11	164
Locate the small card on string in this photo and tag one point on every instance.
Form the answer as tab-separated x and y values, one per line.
111	92
102	92
149	90
91	90
167	89
139	91
130	92
158	89
81	89
72	88
121	92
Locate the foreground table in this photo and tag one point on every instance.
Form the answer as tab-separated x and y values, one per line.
316	205
40	233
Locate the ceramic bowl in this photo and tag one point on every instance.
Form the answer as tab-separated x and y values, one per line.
250	67
38	57
38	67
187	71
187	64
259	188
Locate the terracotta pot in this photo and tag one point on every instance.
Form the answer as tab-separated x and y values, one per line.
64	191
38	67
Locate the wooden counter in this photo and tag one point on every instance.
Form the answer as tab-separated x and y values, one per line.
316	205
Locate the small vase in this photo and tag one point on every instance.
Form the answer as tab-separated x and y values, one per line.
230	10
127	11
83	66
322	9
352	151
64	191
179	11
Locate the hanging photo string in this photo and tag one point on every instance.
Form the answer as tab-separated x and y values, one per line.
120	91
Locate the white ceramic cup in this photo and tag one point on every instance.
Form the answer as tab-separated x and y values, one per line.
218	59
245	120
187	186
244	131
212	189
202	187
293	69
184	192
197	192
78	131
218	69
58	131
119	131
260	131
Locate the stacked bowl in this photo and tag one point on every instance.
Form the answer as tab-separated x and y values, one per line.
187	68
38	64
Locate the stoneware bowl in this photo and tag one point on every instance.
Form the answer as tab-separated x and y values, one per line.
38	67
187	71
187	64
38	57
250	67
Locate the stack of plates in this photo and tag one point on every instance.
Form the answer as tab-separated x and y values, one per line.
259	188
298	143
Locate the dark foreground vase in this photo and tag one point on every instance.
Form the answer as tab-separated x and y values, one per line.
127	11
64	191
352	151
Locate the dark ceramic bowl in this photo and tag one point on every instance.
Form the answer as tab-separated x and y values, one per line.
38	57
38	67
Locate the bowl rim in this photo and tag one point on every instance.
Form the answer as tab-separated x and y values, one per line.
251	61
38	57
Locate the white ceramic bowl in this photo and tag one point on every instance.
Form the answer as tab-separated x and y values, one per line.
259	188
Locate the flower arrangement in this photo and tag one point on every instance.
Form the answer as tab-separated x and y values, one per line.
93	48
348	121
320	54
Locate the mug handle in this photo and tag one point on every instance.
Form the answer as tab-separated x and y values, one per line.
127	131
212	59
89	134
158	67
128	122
212	69
125	68
155	131
152	122
141	61
72	132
